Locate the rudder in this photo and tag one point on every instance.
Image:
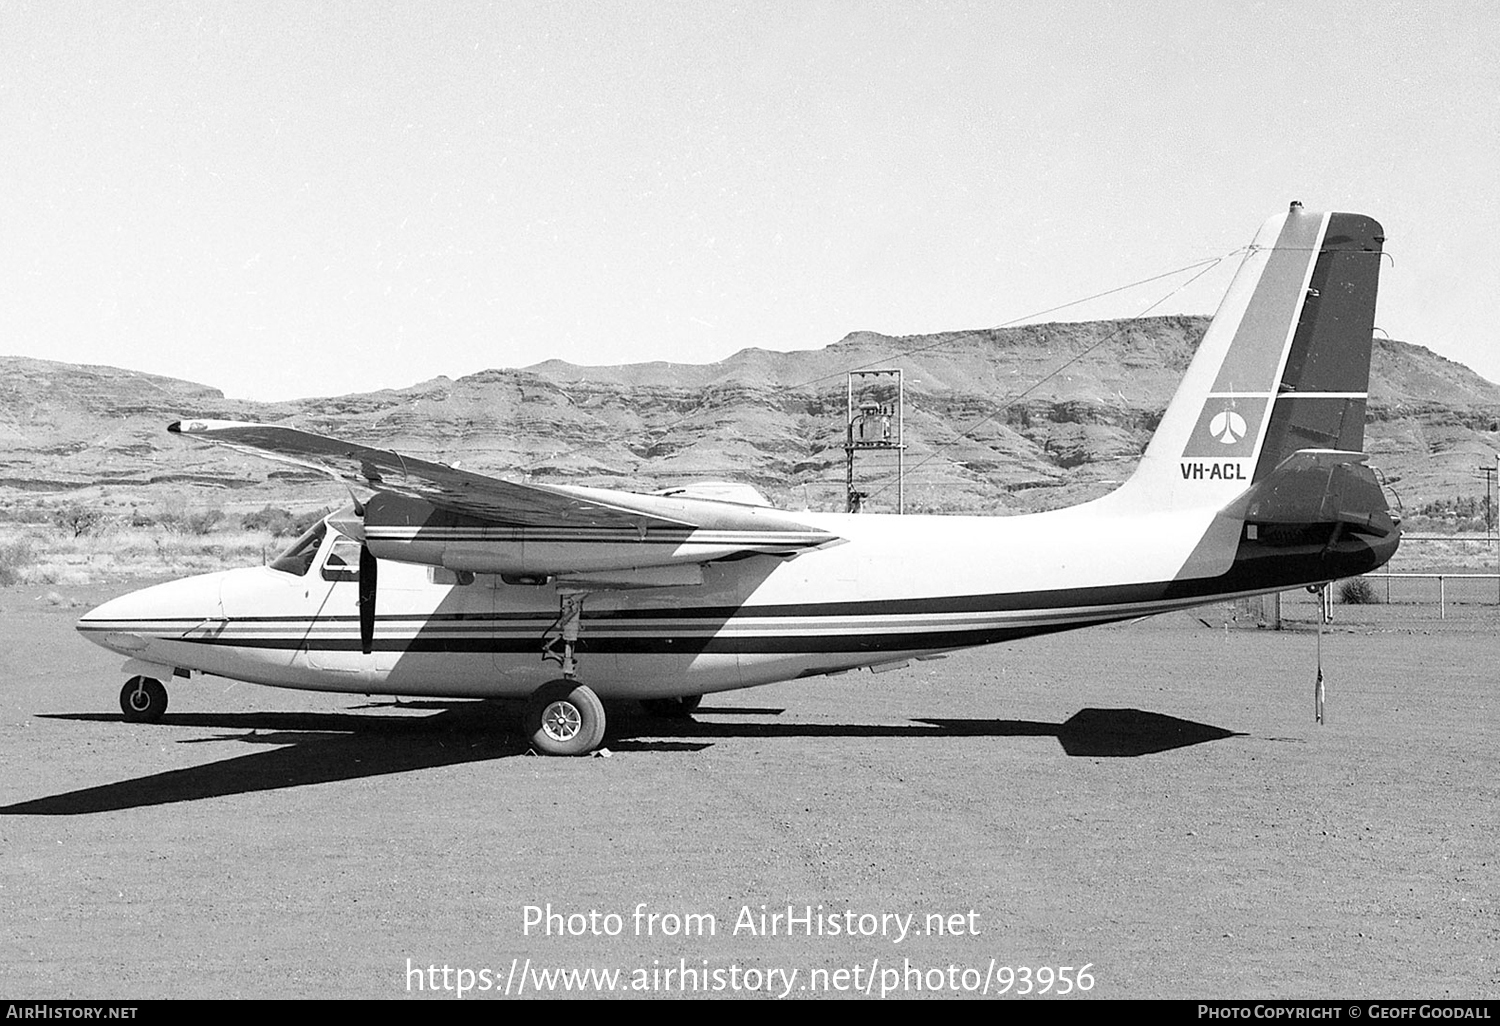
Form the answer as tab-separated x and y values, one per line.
1284	366
1324	385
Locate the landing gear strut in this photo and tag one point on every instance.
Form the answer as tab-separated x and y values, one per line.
143	700
560	643
565	717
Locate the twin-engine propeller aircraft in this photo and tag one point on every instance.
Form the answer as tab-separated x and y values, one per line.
441	582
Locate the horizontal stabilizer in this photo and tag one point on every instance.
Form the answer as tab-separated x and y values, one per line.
1318	486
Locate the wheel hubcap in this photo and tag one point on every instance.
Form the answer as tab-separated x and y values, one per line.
561	721
139	700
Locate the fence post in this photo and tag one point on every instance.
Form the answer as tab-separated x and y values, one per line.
1442	599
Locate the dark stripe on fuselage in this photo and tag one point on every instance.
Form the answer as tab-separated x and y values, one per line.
1250	572
1258	567
680	645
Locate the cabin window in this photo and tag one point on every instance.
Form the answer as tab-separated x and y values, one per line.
298	557
342	563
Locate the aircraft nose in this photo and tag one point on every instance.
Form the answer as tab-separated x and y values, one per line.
126	623
120	608
114	625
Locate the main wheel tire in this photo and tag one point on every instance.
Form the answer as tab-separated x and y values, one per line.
564	718
143	700
672	708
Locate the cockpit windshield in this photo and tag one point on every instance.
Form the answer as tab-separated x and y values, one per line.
299	555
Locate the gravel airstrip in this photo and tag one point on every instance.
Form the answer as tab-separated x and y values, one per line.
1148	809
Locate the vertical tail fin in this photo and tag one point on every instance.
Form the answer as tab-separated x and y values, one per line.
1284	366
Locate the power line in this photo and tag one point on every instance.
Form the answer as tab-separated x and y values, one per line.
1207	264
965	434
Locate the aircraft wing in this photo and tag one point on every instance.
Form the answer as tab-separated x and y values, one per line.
463	520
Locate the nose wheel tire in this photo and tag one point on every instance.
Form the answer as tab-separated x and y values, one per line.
564	718
143	700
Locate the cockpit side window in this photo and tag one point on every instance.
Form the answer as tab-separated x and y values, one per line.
298	557
342	563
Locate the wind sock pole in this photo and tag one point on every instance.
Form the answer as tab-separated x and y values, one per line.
1318	686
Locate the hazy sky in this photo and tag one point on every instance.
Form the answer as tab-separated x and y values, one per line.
288	199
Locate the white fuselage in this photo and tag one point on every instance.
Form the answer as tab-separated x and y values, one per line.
894	588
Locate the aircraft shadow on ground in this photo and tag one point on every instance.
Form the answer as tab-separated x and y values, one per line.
1089	733
297	749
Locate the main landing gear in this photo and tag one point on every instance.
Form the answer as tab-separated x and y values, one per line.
143	700
564	717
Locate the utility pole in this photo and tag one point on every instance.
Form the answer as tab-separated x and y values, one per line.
1489	480
875	423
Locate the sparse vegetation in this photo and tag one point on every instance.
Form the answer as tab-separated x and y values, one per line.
1356	591
202	521
54	555
180	514
84	541
273	520
1461	513
78	518
16	557
198	521
280	522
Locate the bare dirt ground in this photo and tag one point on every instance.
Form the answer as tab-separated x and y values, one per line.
1153	801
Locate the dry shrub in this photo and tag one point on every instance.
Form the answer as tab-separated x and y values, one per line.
16	558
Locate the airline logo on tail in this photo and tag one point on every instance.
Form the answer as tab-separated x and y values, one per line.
1227	428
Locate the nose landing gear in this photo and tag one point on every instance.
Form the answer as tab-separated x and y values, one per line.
143	700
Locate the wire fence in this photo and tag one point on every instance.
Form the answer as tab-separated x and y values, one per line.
1394	601
1436	582
1445	589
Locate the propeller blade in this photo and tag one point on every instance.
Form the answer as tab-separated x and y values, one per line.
366	600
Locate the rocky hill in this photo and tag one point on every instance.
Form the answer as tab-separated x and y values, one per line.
987	428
